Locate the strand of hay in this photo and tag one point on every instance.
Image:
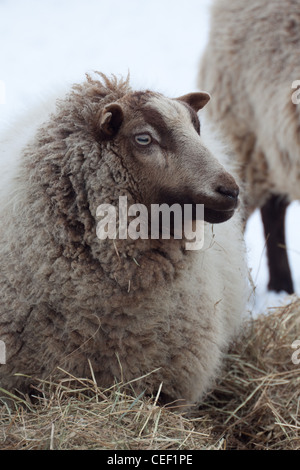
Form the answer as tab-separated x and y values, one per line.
255	404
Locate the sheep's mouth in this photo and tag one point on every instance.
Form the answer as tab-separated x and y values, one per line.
212	216
175	224
222	209
217	217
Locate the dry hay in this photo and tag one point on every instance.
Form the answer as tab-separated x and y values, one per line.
254	405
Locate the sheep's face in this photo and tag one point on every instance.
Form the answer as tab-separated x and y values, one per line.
159	142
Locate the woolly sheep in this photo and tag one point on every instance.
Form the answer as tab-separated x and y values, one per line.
249	66
144	309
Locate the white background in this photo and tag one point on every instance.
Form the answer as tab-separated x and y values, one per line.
47	43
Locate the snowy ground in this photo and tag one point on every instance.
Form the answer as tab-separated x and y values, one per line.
48	43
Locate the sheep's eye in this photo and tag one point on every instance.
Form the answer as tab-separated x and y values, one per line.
143	139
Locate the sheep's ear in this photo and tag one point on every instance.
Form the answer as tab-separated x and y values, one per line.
196	100
111	119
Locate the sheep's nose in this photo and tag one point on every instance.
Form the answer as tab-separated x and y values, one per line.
229	196
231	193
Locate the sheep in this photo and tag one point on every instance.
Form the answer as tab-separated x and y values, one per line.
250	64
147	310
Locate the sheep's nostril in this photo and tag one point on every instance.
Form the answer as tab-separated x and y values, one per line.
231	193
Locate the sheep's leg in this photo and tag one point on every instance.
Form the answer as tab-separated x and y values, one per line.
273	217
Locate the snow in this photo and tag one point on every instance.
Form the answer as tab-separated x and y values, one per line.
50	43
